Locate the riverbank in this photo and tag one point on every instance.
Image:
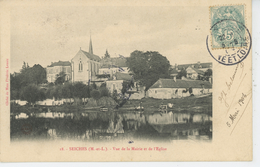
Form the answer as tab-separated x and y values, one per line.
201	104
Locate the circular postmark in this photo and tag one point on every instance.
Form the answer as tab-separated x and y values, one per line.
230	42
26	128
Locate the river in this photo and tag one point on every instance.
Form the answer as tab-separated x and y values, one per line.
111	126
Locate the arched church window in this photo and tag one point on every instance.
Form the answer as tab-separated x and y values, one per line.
80	66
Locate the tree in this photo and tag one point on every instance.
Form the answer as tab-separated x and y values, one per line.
182	73
94	86
14	95
15	81
38	74
103	91
24	67
148	67
79	90
127	85
32	75
95	94
56	92
27	77
107	55
32	94
67	90
115	95
208	73
60	78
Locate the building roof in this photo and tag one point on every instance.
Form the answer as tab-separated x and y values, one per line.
91	56
197	70
170	83
173	71
195	65
123	76
116	62
60	63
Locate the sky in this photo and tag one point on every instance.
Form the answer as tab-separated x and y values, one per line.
41	35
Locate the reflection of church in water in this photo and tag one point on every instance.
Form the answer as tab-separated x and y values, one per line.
85	65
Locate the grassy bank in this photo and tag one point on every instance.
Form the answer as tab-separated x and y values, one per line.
186	104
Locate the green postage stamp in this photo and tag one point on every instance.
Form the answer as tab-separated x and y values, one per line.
227	26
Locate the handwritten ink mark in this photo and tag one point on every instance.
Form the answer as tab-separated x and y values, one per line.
235	94
241	115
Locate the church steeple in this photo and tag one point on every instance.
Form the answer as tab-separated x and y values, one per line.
90	46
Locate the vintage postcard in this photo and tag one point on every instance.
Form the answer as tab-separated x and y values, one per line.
126	81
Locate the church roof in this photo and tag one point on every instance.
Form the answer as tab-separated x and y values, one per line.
91	56
90	47
60	63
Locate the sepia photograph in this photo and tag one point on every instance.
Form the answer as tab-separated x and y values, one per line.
108	73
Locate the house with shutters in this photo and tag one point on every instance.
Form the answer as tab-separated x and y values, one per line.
56	68
85	65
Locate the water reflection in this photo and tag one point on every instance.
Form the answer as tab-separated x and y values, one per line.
99	126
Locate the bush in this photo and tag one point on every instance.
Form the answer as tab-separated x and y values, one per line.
67	90
56	92
94	86
115	96
103	91
80	90
32	93
95	94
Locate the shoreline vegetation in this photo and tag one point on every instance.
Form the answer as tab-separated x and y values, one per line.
189	104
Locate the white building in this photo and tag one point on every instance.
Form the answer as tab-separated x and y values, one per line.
55	68
85	65
177	88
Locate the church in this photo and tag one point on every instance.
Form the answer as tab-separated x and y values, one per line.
85	65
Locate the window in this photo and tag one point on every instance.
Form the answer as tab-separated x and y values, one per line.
80	66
